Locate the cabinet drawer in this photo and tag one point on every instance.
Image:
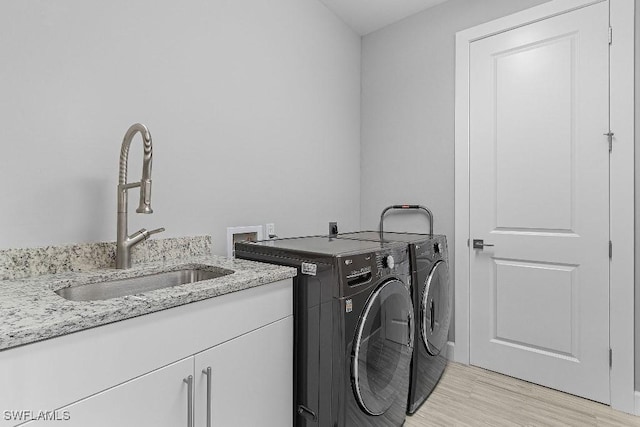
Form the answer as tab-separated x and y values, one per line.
157	399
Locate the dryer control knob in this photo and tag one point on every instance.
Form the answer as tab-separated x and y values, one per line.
389	262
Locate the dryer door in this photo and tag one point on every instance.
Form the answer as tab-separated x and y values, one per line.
382	347
435	309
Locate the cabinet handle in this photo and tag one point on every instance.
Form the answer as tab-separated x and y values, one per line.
207	372
189	381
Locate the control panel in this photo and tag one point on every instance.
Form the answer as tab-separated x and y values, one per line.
358	269
430	249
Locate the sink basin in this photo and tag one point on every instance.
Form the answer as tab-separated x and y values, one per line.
137	285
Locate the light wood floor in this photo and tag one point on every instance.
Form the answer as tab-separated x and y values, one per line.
470	396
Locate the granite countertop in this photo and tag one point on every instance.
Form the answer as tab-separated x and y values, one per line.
31	311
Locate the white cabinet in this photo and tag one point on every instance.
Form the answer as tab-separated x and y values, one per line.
251	379
132	373
251	384
156	399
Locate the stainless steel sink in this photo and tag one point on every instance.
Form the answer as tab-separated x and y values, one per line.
137	285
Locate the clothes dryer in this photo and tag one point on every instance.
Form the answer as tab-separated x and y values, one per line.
431	294
353	328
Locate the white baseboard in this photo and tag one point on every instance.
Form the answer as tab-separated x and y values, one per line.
451	347
638	403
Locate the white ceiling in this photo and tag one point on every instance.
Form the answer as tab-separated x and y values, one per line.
365	16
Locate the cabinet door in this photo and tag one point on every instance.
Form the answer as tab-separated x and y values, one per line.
251	379
157	399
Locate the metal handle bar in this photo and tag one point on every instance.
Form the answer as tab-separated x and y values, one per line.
406	207
189	382
207	372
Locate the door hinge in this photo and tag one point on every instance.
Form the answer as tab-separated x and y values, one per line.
609	136
610	358
610	35
467	242
610	250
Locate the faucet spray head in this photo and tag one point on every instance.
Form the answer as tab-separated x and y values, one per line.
144	209
145	197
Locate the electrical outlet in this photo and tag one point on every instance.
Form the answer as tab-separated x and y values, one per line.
333	229
271	230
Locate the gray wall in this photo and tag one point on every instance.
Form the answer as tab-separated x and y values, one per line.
254	108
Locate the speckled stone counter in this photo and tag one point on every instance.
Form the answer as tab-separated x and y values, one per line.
31	311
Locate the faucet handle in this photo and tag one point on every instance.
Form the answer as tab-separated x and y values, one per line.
156	231
142	234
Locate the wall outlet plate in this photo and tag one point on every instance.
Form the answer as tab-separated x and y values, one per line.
249	233
271	230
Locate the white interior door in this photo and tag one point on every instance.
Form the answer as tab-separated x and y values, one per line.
539	192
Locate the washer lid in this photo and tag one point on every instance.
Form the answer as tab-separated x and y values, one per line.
382	348
435	309
387	236
322	245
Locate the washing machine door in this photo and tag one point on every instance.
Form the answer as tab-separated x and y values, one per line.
435	309
382	347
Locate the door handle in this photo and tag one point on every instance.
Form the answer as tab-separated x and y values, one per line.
207	372
480	244
410	327
433	315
